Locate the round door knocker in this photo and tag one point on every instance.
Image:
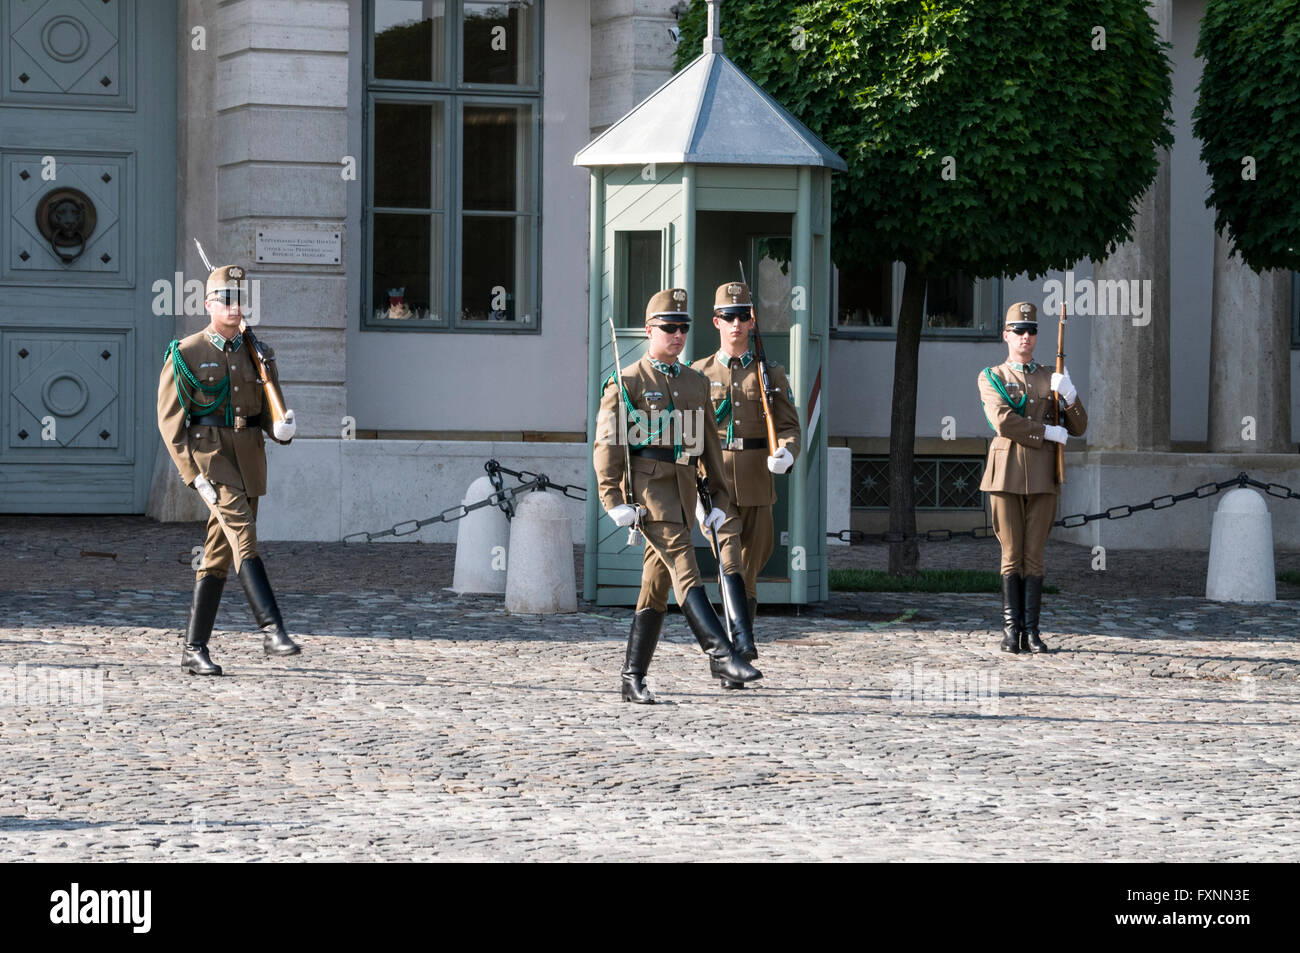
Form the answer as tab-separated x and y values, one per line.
66	217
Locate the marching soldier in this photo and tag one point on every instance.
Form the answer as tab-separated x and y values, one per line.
748	462
658	407
1020	475
213	412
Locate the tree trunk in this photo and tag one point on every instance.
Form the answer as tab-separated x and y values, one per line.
902	423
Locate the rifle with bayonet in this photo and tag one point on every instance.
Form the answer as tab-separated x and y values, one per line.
764	377
274	397
634	535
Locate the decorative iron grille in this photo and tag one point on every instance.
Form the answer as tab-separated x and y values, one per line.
942	483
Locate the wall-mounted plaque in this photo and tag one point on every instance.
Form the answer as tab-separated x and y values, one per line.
298	246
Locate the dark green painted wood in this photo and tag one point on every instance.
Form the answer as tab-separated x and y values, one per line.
80	346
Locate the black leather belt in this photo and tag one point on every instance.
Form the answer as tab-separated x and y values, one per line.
662	454
747	443
219	420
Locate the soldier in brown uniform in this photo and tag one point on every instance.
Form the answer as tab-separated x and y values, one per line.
748	462
212	414
1020	475
662	410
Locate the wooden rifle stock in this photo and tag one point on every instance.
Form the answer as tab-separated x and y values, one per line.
274	398
1058	413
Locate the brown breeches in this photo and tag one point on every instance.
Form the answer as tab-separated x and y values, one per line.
1022	524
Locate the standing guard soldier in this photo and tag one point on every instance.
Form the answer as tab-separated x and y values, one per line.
668	438
748	462
213	412
1020	475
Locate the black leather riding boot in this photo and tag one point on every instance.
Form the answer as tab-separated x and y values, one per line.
741	627
1013	611
724	663
252	575
203	613
1029	640
641	641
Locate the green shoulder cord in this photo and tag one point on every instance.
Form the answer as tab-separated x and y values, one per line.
722	413
187	386
1017	406
627	402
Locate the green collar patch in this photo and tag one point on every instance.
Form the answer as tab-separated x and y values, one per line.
217	341
672	370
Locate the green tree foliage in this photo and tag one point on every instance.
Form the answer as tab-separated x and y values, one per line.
1046	117
1248	120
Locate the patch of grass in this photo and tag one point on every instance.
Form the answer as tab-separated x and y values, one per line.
930	580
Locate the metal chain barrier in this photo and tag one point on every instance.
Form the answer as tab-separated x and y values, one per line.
1202	492
502	496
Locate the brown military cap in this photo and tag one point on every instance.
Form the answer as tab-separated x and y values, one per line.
669	304
227	276
1022	316
734	295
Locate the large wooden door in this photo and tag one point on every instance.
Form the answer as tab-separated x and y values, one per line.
87	225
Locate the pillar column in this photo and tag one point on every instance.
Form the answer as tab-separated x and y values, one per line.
631	55
1250	357
1128	398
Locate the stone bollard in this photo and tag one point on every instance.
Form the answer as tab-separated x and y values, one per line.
481	541
1241	550
540	578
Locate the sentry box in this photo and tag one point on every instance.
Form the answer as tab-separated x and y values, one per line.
706	172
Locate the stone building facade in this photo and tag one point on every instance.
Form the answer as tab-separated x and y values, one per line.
301	120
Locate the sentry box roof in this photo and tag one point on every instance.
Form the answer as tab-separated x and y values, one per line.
710	113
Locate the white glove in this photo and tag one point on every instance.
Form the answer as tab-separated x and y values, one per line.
713	520
623	515
1062	384
206	490
780	461
285	429
1056	434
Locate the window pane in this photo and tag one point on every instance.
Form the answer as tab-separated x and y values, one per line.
403	287
643	270
496	168
408	155
772	299
498	43
410	40
950	302
866	297
496	254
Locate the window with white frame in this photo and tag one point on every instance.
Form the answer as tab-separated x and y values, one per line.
452	112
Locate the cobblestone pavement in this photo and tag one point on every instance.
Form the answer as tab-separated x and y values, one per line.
422	725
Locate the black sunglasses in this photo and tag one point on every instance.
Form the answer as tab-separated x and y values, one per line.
226	296
730	316
672	328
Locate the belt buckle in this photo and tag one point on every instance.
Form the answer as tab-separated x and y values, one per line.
241	423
